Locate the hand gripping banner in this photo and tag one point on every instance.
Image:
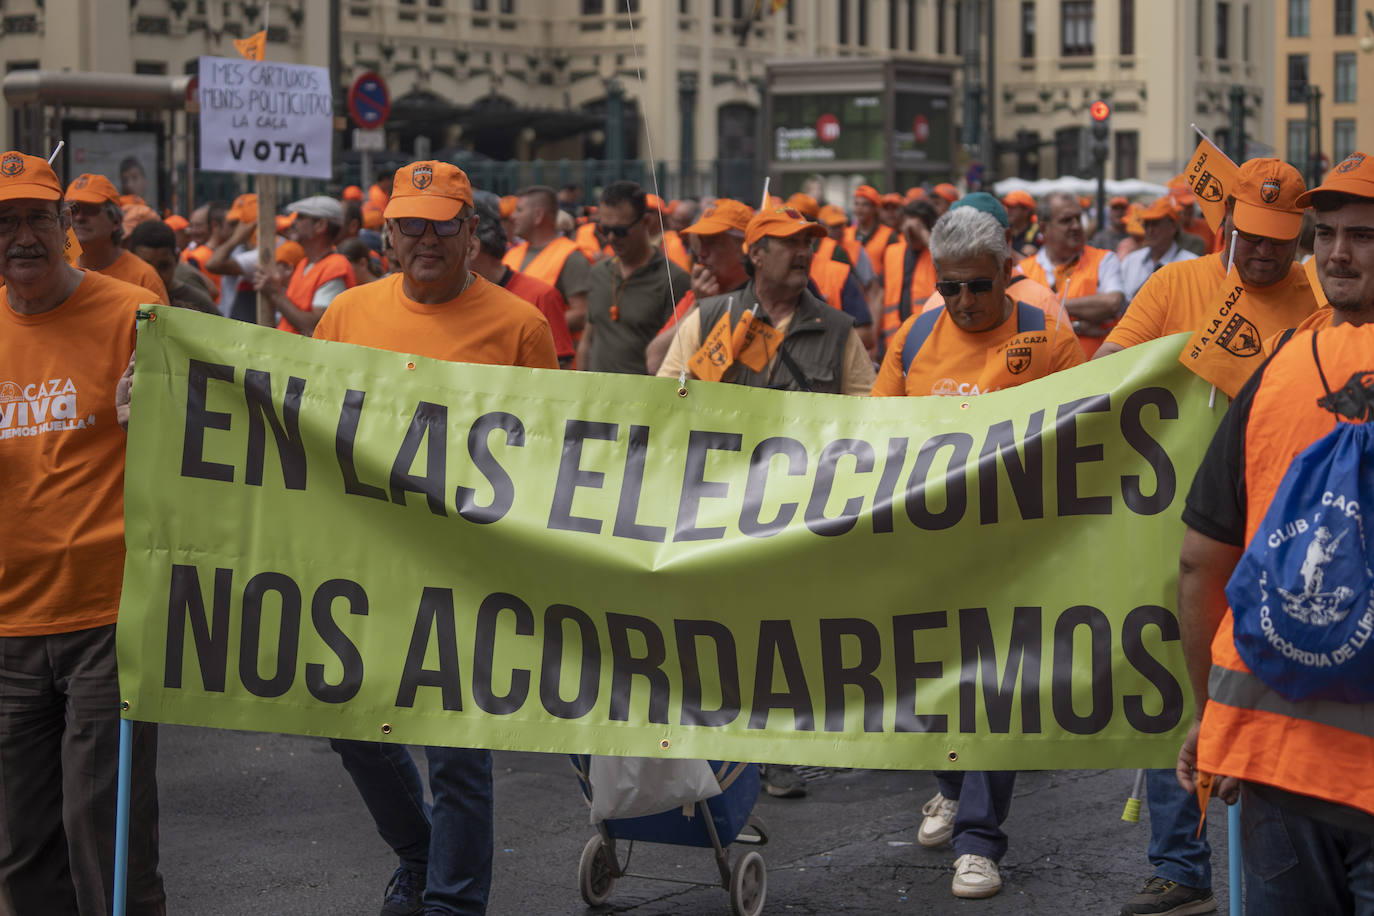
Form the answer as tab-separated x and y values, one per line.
326	539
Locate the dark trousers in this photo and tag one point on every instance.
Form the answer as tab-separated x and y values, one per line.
1300	866
984	800
59	766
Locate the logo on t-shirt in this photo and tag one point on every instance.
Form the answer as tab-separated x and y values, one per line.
947	387
1240	337
1018	359
39	407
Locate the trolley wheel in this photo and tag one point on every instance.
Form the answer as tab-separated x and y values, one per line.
596	872
748	885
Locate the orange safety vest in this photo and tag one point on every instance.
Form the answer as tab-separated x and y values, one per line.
922	286
1317	748
881	238
1082	281
587	242
547	265
830	276
306	280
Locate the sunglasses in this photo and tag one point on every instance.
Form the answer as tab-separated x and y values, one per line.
1258	239
415	226
951	289
618	231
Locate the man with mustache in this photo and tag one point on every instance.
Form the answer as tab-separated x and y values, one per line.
99	223
66	336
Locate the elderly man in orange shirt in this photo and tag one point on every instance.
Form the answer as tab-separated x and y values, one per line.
98	222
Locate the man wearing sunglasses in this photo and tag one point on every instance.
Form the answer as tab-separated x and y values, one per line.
633	292
439	308
1263	210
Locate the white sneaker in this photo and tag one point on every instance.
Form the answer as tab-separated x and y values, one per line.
938	825
975	876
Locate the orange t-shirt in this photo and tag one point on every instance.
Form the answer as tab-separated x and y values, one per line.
1178	297
132	269
953	361
485	324
62	455
306	279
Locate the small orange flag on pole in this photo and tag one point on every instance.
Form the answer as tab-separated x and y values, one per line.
1210	174
254	47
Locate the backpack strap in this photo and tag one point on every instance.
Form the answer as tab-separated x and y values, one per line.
1028	318
1316	359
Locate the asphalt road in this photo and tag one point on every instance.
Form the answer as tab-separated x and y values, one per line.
269	824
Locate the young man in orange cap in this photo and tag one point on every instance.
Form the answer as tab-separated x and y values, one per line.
99	225
1303	770
942	195
1160	222
890	211
819	348
546	255
1265	214
66	338
868	230
435	307
908	272
631	294
1025	231
235	258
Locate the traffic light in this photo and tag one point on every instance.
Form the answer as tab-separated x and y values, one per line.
1100	112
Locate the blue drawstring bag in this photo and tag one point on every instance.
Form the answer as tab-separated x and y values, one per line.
1302	595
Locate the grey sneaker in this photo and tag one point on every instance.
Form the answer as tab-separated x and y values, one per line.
938	825
1162	897
404	895
782	781
975	877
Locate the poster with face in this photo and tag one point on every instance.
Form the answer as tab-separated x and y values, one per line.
127	154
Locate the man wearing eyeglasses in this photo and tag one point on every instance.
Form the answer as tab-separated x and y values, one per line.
633	292
436	307
98	221
319	277
66	336
1179	297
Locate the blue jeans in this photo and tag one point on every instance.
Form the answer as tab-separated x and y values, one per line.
1177	853
451	844
984	799
1302	866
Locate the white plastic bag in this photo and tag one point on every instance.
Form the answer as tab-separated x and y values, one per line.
635	786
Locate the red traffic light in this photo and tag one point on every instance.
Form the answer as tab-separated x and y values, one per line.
1100	110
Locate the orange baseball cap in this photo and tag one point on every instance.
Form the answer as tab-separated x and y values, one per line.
832	215
779	223
1163	208
1118	202
946	190
285	220
352	192
1019	199
869	193
92	189
372	216
1353	175
893	200
244	209
1266	193
135	215
1133	223
915	192
722	216
429	190
27	178
508	206
177	223
805	204
289	252
654	202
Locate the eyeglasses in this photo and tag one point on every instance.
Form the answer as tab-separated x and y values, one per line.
950	289
618	231
415	226
38	222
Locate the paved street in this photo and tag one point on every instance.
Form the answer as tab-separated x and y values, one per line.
269	824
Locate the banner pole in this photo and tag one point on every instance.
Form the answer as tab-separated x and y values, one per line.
1233	857
121	863
267	242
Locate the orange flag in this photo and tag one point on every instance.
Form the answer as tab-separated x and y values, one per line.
1230	344
1210	174
254	47
755	342
716	353
71	250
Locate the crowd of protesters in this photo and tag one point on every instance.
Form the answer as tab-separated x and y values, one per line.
916	293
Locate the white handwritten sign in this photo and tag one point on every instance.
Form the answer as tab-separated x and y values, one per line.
267	118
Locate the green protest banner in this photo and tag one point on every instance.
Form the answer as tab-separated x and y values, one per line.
332	540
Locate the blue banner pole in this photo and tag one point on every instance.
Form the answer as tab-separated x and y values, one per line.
1233	856
121	863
